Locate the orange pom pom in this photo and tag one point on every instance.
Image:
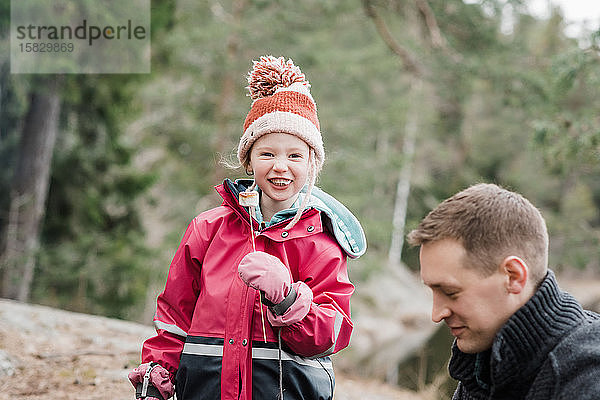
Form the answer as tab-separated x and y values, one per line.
270	73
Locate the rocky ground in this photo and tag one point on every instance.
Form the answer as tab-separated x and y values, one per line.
53	354
47	353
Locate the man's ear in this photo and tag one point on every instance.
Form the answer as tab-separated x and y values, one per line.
517	274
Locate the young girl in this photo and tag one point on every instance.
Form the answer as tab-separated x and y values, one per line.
258	297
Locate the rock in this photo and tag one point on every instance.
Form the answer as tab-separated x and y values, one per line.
7	367
392	321
88	357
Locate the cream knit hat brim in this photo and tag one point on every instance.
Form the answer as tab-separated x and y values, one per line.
282	103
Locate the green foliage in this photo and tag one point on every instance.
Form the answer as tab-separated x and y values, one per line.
572	133
466	27
12	109
101	272
568	136
137	156
477	124
4	17
93	253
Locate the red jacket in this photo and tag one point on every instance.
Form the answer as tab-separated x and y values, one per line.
207	313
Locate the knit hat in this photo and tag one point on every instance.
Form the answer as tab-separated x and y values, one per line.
281	103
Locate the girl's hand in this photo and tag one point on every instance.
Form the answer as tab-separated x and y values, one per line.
157	381
266	273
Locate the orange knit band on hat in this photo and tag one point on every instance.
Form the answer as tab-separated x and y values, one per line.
282	103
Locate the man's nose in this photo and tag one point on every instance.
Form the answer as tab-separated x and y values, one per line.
439	310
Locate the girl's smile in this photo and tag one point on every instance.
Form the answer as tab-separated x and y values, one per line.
280	165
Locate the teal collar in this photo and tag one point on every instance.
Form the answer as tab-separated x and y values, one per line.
336	217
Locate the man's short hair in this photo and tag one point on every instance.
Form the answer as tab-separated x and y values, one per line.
491	223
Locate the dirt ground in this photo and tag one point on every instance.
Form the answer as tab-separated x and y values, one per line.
53	354
47	353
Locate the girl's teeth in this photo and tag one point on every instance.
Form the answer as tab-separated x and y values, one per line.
280	182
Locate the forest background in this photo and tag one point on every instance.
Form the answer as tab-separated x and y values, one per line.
417	99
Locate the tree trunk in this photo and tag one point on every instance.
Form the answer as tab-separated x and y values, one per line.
403	187
29	190
226	97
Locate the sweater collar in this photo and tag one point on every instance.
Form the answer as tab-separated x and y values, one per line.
523	343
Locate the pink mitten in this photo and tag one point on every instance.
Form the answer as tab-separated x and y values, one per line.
157	378
266	273
297	310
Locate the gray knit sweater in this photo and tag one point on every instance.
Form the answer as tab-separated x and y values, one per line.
549	349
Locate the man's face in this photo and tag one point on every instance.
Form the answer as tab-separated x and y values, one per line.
473	306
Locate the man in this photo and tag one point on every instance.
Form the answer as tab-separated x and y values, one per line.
484	254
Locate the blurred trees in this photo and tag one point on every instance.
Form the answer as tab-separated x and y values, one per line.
92	229
28	189
505	100
568	135
502	96
509	93
90	252
417	100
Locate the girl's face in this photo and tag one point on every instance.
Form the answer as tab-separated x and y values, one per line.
280	165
